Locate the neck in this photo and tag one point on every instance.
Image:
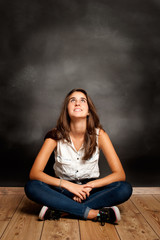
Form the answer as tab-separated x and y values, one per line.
78	128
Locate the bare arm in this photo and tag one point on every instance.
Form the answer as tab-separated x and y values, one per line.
40	162
115	165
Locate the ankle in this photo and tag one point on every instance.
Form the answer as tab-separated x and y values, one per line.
92	214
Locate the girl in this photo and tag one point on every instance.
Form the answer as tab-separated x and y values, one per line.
76	188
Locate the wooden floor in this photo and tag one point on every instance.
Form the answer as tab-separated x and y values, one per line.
18	220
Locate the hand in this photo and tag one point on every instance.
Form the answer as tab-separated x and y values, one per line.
88	189
77	199
80	191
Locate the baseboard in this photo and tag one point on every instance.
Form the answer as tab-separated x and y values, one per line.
11	190
136	190
146	190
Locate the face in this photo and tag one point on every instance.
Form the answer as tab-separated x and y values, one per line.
77	105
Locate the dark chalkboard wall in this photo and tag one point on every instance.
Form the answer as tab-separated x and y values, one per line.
110	48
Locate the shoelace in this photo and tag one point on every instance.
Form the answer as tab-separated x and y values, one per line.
104	216
55	215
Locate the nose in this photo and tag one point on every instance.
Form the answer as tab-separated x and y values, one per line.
77	102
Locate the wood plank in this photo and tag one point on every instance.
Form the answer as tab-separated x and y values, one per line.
133	225
11	190
8	205
93	230
150	209
146	190
61	229
157	196
24	224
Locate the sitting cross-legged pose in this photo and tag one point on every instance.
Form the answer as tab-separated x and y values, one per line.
76	189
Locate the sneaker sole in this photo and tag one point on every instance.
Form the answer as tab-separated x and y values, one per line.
42	213
117	213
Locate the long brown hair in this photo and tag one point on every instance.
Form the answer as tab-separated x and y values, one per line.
63	125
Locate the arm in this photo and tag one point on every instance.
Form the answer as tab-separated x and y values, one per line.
40	162
115	165
38	167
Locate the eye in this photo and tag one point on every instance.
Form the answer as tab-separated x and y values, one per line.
72	100
83	100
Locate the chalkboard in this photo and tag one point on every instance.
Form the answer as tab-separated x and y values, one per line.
109	48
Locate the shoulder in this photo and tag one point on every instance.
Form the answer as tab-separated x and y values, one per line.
50	142
48	146
103	138
102	133
50	139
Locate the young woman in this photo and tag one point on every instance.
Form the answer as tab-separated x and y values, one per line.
76	188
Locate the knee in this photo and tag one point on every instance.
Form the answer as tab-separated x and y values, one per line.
125	190
30	187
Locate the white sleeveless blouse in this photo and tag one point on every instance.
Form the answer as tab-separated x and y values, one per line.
69	164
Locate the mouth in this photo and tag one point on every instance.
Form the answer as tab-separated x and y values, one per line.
77	110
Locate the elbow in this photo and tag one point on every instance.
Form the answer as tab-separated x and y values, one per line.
123	176
32	175
35	174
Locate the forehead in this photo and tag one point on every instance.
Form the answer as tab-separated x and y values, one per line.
77	95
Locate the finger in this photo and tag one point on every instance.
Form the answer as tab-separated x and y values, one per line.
77	199
80	195
82	192
88	194
74	198
86	191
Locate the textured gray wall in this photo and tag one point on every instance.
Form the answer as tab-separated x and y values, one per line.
110	48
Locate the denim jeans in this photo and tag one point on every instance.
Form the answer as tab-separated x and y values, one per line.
61	199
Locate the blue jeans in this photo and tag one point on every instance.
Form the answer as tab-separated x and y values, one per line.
61	199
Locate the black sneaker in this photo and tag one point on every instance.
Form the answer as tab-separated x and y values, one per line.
109	215
49	214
